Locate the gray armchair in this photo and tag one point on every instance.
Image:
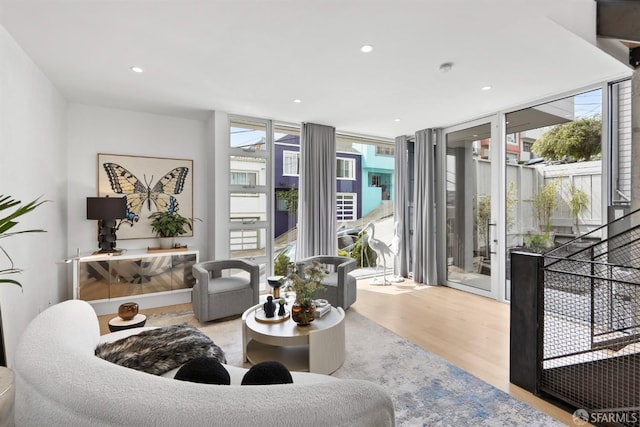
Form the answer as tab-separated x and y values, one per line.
216	295
340	287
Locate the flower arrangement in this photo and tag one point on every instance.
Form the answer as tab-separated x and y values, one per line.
306	284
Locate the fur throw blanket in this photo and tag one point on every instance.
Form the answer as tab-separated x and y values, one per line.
160	350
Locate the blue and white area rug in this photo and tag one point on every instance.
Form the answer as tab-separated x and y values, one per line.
426	389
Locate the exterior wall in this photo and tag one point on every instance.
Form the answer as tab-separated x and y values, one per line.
624	157
374	164
635	138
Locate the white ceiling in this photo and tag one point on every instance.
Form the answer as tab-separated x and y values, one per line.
254	57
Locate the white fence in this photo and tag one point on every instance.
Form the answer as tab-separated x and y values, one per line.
586	176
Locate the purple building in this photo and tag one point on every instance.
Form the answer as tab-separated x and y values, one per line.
287	172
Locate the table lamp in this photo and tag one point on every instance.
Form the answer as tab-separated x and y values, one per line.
106	210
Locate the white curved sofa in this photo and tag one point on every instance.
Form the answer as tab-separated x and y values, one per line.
60	382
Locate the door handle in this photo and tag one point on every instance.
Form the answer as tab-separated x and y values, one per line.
495	241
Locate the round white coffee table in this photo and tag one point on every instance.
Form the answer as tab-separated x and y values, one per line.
319	347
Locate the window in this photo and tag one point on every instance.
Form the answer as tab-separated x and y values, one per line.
249	194
385	150
281	204
291	163
244	178
345	168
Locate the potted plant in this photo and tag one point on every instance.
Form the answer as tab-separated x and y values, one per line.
578	203
305	286
7	223
362	252
168	225
544	204
281	265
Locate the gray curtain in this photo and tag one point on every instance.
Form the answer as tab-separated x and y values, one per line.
317	192
424	259
401	206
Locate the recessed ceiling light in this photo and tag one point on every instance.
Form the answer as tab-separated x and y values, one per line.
445	67
297	101
475	135
486	87
366	48
396	120
136	69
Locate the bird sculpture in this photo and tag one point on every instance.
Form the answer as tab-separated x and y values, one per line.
382	251
394	247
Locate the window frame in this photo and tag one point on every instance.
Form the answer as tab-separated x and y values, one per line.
352	168
290	153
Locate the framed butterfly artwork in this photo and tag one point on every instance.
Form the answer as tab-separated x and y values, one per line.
149	184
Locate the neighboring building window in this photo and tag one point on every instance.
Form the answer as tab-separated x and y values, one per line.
375	181
244	178
511	139
281	203
346	206
291	163
345	168
385	150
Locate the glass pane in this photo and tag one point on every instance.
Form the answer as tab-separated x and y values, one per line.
126	278
365	170
248	208
248	135
181	272
554	160
364	193
94	280
248	243
247	172
286	174
157	274
468	193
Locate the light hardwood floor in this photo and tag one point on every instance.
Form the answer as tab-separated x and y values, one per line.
467	330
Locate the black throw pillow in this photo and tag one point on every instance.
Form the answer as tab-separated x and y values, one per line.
265	373
205	370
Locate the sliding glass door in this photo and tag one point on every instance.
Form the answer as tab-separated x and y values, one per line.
471	196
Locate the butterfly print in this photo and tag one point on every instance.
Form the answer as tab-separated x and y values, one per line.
137	192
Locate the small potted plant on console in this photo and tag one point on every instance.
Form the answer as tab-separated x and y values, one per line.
168	225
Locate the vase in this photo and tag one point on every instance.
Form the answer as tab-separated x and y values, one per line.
166	242
128	310
275	282
303	315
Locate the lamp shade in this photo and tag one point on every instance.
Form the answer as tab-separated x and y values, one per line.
106	207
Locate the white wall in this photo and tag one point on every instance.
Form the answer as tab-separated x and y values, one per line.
94	130
33	162
49	148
